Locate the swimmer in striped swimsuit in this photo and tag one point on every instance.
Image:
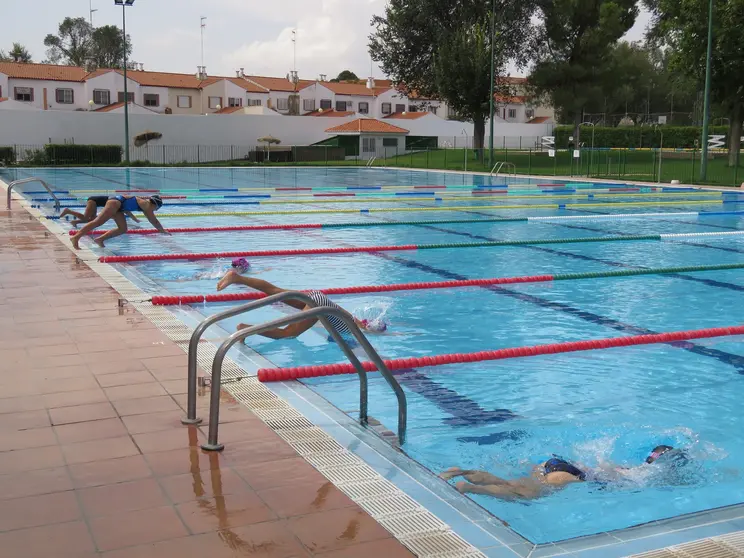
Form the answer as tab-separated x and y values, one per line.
293	330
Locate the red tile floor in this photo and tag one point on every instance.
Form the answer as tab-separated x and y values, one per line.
93	458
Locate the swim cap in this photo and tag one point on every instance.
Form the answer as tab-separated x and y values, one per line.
377	325
657	452
157	200
241	264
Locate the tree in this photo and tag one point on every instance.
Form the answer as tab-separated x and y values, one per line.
18	53
442	49
78	44
573	47
108	47
682	26
346	75
73	44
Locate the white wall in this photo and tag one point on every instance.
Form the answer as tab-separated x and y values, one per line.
38	128
4	86
51	86
161	92
112	82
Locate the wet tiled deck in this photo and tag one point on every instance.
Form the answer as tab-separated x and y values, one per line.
93	458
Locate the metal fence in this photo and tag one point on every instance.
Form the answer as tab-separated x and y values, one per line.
622	164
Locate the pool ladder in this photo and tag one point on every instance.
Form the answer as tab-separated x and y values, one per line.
314	312
501	164
371	162
32	179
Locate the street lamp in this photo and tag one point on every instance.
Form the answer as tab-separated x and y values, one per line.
591	153
706	102
124	4
661	150
493	85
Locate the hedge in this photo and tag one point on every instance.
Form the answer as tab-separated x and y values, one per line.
74	154
7	155
636	136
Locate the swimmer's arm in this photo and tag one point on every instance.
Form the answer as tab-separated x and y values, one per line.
131	216
289	332
150	215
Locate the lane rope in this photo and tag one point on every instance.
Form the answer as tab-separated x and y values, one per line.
254	295
389	248
293	373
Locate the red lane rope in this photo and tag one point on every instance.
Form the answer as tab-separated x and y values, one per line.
217	229
254	253
280	374
253	295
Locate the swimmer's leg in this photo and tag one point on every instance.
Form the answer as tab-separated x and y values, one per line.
234	278
121	228
67	211
111	208
507	491
475	477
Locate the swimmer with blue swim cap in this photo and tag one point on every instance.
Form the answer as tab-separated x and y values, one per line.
293	330
546	477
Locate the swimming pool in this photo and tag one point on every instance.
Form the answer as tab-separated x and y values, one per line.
501	416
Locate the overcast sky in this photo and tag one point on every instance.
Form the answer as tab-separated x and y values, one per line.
254	34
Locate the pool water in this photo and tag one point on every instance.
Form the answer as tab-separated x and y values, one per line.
597	408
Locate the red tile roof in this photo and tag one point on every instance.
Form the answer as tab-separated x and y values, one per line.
248	86
367	126
228	110
42	71
2	99
512	80
407	115
515	100
356	89
330	112
112	106
279	84
539	120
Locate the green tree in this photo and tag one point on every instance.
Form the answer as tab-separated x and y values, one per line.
682	26
442	49
78	44
572	49
18	53
346	75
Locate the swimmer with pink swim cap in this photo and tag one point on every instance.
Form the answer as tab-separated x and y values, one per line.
293	330
241	265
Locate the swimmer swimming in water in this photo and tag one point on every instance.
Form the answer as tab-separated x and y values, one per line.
293	330
91	207
114	209
551	475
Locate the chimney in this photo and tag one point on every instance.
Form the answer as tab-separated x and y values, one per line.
323	77
237	73
242	72
370	83
142	67
201	72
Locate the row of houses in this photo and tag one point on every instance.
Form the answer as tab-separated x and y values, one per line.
53	87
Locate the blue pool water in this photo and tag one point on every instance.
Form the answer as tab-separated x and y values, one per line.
503	417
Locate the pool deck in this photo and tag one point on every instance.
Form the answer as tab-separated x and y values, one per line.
93	458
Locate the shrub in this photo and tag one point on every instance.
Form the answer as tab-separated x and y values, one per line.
73	154
7	155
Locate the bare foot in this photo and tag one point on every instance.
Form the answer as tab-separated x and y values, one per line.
64	213
243	326
75	223
451	473
227	280
99	242
75	240
463	487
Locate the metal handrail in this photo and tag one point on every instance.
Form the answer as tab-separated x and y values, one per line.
32	179
501	164
371	161
321	314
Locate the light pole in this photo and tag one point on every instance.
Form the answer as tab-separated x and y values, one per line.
493	85
124	4
706	102
591	153
661	151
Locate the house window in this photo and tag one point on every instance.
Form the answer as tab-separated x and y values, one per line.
151	100
325	104
308	105
282	104
412	108
529	114
451	113
433	109
363	108
234	102
130	97
390	142
512	113
101	97
368	145
183	101
254	102
340	106
25	94
215	102
64	96
387	108
400	108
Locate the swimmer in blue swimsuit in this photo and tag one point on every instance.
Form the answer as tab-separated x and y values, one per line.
91	208
551	475
293	330
115	208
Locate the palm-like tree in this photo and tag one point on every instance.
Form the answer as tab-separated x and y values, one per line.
18	53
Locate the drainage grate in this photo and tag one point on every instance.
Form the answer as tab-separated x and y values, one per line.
732	540
410	525
361	490
724	546
439	545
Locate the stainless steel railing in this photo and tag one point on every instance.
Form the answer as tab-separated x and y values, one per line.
321	313
32	179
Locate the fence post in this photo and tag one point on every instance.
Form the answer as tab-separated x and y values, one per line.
736	167
445	157
529	162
